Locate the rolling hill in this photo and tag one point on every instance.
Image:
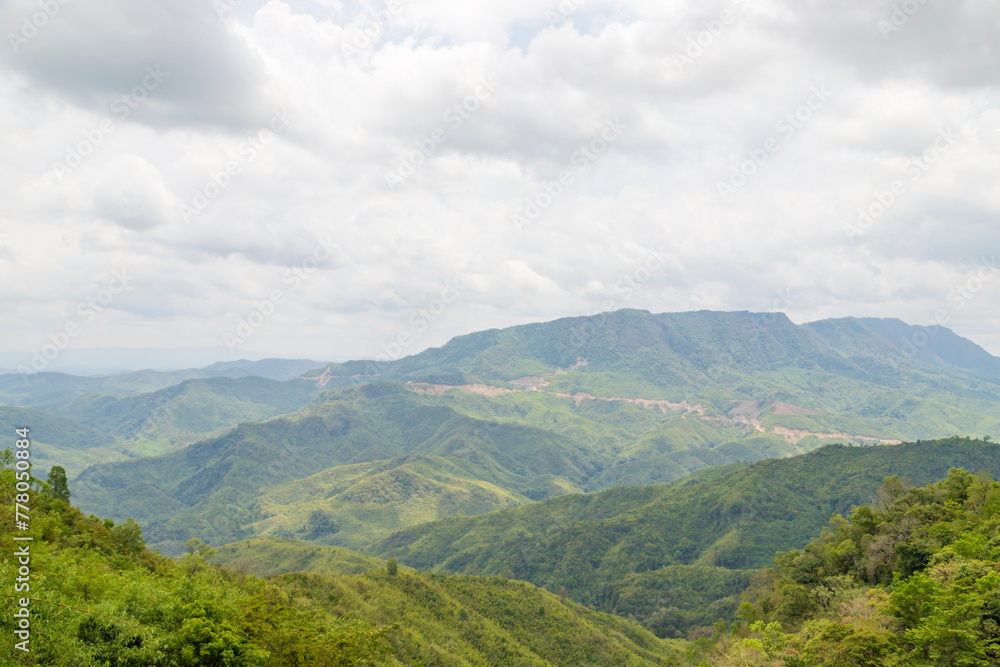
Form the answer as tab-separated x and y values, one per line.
506	417
677	555
99	597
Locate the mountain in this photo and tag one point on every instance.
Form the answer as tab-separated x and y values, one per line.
119	360
59	441
678	555
212	489
463	429
269	557
933	345
910	581
97	596
830	377
189	409
46	389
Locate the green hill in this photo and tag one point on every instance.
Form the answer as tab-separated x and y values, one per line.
61	441
269	557
637	551
524	414
42	390
212	488
189	409
98	597
911	580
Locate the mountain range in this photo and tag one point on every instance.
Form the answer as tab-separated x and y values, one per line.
644	465
349	453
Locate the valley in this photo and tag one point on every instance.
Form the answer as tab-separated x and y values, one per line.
643	466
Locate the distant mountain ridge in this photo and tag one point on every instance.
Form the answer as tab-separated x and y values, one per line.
686	346
502	418
42	389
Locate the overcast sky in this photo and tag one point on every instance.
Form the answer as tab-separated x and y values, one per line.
360	175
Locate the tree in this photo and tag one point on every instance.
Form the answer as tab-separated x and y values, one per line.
58	486
392	567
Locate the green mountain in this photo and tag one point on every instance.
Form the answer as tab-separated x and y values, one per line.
849	376
60	441
270	557
97	596
657	552
213	489
185	411
910	581
502	418
46	389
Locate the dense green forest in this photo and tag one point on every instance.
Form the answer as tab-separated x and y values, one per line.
911	580
676	557
99	597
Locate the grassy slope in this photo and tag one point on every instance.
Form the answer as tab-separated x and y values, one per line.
269	557
98	598
449	620
210	489
189	409
597	545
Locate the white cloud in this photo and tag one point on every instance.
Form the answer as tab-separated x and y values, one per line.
358	114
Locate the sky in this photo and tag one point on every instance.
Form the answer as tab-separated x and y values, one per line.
333	180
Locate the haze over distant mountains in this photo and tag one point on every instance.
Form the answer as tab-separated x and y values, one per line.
114	360
473	456
495	419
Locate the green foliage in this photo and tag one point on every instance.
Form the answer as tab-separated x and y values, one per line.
677	557
58	486
858	595
98	597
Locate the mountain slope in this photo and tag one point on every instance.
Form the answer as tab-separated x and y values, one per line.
641	539
190	408
46	389
210	489
911	581
99	597
61	441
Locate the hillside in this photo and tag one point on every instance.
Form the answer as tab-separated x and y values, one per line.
676	556
501	418
99	597
192	408
211	489
909	581
61	441
47	388
270	557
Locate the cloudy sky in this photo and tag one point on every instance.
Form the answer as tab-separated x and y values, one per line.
331	179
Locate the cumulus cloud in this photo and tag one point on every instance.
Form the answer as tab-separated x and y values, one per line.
775	154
